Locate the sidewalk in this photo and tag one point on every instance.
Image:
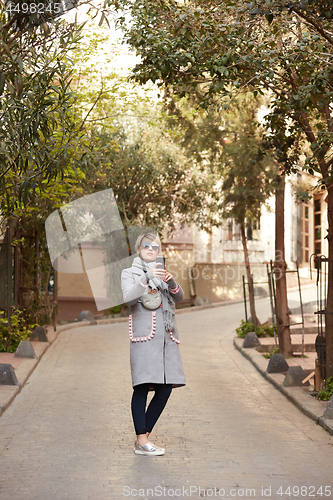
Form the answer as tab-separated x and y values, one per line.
299	396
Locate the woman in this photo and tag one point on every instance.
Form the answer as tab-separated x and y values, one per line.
154	352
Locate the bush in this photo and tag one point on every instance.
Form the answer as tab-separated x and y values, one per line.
244	328
326	393
115	309
265	331
11	336
262	331
268	355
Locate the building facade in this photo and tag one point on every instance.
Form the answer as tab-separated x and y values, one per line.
212	265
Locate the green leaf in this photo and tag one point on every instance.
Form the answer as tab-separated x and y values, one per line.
2	82
255	12
269	18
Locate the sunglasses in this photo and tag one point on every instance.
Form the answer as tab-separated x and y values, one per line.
154	246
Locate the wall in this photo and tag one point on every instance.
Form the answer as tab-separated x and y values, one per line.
224	281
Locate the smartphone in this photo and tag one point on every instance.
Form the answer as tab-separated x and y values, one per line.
160	260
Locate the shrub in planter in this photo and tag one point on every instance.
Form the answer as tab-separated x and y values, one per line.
326	393
265	331
269	354
11	336
244	328
262	331
115	309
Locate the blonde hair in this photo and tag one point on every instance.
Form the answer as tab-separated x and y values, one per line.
148	236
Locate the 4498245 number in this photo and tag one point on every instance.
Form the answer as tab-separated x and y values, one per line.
305	491
34	8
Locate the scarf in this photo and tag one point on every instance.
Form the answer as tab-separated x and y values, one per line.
168	303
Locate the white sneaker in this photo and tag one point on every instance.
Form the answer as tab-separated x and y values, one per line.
148	449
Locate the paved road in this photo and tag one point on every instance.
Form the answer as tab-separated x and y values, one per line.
227	434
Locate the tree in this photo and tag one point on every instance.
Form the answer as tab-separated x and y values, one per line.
247	176
135	148
33	268
152	179
42	143
131	150
284	48
228	145
283	142
39	139
38	136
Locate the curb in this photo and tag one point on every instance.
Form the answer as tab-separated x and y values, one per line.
310	406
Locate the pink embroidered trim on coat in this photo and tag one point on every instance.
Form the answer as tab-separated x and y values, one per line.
174	338
142	339
152	333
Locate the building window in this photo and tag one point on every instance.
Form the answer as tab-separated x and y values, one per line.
300	232
249	232
230	224
252	230
236	234
317	225
306	232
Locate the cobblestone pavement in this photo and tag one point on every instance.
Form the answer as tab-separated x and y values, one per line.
228	433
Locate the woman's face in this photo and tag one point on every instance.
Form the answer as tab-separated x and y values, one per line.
151	251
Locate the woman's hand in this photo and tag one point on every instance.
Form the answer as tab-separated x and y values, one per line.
158	272
170	280
168	276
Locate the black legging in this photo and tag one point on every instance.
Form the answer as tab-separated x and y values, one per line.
143	420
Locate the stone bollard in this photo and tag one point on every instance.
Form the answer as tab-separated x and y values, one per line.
7	375
259	291
86	316
250	340
39	334
25	350
277	364
202	301
329	409
294	376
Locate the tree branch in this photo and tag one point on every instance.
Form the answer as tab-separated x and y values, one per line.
92	107
328	118
318	28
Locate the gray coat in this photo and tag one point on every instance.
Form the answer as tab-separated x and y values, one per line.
156	359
